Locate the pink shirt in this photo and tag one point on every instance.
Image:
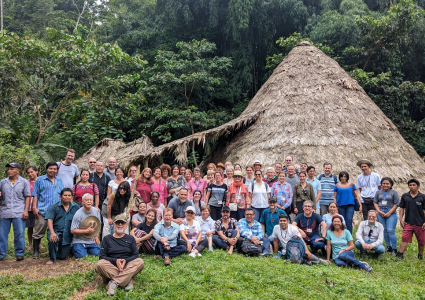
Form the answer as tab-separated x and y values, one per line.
161	188
194	185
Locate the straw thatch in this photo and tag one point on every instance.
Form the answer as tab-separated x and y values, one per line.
312	110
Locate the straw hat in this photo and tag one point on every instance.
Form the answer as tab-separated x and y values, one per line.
221	165
91	221
364	161
257	162
237	173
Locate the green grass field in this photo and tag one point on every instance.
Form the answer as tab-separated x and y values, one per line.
221	276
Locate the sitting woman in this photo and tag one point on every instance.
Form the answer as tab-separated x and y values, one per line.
156	205
190	232
207	227
340	244
333	211
143	233
197	195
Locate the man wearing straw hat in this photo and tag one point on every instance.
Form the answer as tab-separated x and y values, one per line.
119	261
368	184
85	227
257	165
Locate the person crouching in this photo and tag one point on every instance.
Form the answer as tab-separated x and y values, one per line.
119	260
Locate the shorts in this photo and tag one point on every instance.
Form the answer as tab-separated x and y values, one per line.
31	220
408	231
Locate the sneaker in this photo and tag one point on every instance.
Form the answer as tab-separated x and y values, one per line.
112	287
129	286
366	266
210	249
389	249
199	254
399	255
420	256
308	263
157	256
265	254
393	252
192	254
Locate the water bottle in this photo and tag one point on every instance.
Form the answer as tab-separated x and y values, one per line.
111	229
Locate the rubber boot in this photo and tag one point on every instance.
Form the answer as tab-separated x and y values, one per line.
36	248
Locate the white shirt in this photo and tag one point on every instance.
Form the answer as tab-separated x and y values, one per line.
259	195
369	185
285	235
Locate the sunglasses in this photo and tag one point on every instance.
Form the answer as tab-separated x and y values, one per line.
304	191
122	188
257	174
92	162
120	222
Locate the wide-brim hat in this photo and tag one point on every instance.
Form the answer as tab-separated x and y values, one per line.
221	165
237	173
91	221
257	162
364	161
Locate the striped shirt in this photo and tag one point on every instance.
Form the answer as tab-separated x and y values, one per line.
46	192
327	184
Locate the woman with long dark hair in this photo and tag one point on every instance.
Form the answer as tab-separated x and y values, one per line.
113	184
176	182
117	205
83	187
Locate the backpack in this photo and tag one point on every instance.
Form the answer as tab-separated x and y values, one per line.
250	249
295	250
333	176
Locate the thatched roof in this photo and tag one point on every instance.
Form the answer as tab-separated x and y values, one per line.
312	110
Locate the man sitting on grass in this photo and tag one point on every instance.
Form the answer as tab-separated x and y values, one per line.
166	233
119	260
252	231
227	231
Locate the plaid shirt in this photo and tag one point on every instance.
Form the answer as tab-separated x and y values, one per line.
283	194
250	231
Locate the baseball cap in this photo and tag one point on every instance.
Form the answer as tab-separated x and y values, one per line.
13	165
190	208
225	208
121	217
272	199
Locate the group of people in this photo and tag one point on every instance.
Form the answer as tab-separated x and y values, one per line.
176	211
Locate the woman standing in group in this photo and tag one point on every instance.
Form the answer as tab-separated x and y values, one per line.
196	198
143	233
84	186
143	186
259	193
159	185
113	184
182	170
249	179
188	176
386	202
216	196
157	206
344	196
303	191
210	177
237	197
32	173
131	175
238	167
340	245
197	184
210	167
165	171
117	204
229	173
282	191
175	182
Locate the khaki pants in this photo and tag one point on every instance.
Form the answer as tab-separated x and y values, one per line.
40	227
110	272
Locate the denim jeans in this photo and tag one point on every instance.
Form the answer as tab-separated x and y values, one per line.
57	250
379	250
389	227
258	212
173	252
80	250
221	243
18	232
315	246
347	211
347	258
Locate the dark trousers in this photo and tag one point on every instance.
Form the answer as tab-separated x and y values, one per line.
221	243
299	206
57	250
173	252
366	206
315	246
202	245
237	215
215	212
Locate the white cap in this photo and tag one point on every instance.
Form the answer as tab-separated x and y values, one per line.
190	208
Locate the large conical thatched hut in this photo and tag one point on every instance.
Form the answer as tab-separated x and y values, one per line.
311	109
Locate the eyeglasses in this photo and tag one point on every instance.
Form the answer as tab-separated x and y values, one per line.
308	206
133	170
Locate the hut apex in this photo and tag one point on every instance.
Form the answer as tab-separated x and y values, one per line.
312	110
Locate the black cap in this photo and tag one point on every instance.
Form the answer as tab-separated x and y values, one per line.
13	165
272	199
225	208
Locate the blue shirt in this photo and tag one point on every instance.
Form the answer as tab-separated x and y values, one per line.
250	231
46	192
306	223
62	220
164	231
327	184
270	220
344	196
317	186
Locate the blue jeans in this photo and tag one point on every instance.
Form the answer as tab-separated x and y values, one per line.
173	252
221	243
347	211
389	227
258	212
80	250
56	249
271	240
347	258
378	250
315	246
18	232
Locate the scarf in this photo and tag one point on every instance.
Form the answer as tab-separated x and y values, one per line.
232	188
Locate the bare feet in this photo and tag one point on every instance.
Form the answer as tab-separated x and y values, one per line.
230	250
29	248
157	256
50	262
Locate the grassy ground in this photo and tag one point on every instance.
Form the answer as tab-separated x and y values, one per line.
221	276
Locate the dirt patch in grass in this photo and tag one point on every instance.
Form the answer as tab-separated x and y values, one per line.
87	289
33	269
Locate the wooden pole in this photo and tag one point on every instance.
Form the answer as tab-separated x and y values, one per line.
1	13
127	211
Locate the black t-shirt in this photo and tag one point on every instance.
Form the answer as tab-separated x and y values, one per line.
309	223
413	208
143	226
118	248
102	185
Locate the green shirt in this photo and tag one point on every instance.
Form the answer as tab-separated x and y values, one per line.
62	220
338	243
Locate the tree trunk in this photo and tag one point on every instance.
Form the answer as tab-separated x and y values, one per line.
1	13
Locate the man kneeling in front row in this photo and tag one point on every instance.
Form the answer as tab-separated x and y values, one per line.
119	260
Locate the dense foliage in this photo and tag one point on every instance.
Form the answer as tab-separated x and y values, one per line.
167	68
